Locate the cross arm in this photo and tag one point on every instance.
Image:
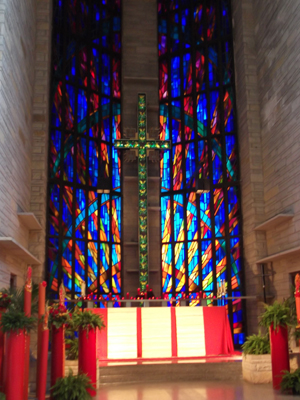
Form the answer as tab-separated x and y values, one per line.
126	144
157	144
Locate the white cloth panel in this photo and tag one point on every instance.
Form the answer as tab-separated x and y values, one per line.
156	332
121	333
190	332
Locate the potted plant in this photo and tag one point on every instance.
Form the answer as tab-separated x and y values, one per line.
290	382
58	318
72	387
277	318
256	362
87	323
15	324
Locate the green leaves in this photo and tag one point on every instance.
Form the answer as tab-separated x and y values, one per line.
291	381
14	320
2	396
257	344
72	387
277	314
87	320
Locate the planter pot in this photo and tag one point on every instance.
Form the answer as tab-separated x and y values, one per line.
2	310
257	368
87	362
279	354
14	365
71	365
57	354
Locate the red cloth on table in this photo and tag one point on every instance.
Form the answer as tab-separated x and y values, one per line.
218	338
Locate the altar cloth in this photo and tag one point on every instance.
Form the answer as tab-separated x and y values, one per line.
163	332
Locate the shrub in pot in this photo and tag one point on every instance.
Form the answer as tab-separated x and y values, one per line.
291	382
87	323
256	362
277	318
72	387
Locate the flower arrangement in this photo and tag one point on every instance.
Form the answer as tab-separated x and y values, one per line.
5	300
58	315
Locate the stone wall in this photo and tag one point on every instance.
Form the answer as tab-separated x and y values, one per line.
277	44
17	54
140	75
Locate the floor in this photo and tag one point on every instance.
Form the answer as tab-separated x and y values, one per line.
191	391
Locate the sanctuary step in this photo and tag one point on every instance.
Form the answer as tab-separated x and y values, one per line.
215	369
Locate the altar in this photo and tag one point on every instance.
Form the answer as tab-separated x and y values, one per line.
163	333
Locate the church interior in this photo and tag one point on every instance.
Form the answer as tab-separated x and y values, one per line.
213	204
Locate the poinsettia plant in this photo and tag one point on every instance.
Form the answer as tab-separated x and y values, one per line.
5	300
58	315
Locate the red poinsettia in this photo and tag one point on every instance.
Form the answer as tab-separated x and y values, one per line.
58	315
5	300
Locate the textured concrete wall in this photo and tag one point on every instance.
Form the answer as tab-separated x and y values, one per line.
140	75
17	46
40	129
277	42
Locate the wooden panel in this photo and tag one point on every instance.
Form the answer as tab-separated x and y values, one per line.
156	332
121	333
190	332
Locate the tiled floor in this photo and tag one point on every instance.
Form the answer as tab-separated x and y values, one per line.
191	391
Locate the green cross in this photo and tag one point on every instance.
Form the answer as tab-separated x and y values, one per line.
142	145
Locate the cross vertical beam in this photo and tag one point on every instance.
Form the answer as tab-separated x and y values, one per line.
142	144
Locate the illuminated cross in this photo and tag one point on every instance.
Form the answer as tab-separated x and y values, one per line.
142	145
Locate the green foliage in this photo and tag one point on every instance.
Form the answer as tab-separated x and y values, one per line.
72	348
291	381
72	387
17	298
86	320
2	396
257	344
277	314
15	320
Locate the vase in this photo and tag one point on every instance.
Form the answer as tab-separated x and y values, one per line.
279	353
14	365
87	362
57	354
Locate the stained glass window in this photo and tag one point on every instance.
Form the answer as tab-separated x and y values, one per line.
84	204
201	234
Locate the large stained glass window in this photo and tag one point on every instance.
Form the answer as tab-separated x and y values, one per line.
201	232
84	185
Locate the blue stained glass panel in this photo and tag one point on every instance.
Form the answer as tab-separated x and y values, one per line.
67	212
207	265
96	64
178	218
67	265
55	148
213	66
164	122
193	266
92	261
219	212
55	120
70	107
116	170
187	73
228	111
116	219
202	115
225	20
180	280
53	245
93	163
104	218
221	261
68	158
188	105
105	77
175	77
80	259
203	159
190	165
235	259
162	36
116	268
174	32
104	267
165	171
176	121
81	106
191	216
214	113
177	167
166	228
71	65
217	161
205	216
93	215
198	16
231	157
81	161
80	214
54	210
186	28
233	212
167	277
227	64
105	123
